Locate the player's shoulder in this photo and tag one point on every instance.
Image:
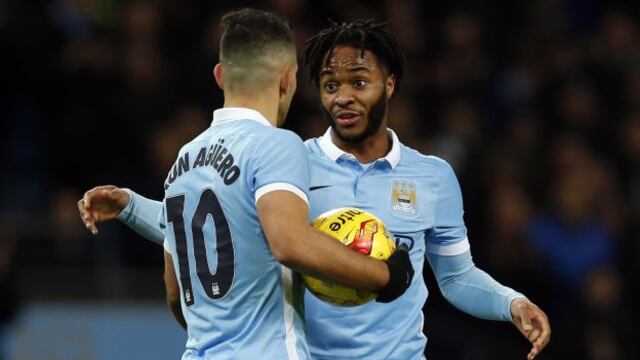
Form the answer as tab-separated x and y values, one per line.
270	136
315	151
310	142
424	162
312	145
279	133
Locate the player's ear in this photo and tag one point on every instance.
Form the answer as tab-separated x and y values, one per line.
287	80
390	86
217	73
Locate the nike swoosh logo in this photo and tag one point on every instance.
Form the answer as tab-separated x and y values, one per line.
314	188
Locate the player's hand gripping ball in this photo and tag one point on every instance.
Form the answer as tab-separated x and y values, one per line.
362	232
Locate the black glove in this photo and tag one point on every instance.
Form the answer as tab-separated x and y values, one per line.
400	275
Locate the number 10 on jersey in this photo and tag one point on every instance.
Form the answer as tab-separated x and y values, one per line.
216	285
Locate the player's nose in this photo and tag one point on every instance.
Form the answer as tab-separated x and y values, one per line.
344	97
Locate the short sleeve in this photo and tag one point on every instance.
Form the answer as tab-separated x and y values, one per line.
449	233
280	163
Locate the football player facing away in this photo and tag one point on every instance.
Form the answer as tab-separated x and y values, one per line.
236	208
360	162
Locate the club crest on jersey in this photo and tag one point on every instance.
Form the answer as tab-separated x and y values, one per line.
404	198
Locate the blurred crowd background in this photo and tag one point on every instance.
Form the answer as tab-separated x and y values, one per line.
536	104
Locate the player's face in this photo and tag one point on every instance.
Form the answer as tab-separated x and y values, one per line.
354	91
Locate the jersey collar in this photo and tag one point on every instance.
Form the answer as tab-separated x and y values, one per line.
334	153
236	113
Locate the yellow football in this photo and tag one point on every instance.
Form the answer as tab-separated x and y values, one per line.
361	231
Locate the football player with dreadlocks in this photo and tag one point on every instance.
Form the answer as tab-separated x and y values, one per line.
360	162
357	68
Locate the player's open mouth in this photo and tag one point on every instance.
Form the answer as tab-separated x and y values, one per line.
347	118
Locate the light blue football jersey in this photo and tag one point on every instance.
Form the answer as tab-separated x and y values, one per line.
237	299
419	200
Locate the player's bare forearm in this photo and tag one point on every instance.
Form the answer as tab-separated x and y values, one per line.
173	290
296	244
325	257
176	309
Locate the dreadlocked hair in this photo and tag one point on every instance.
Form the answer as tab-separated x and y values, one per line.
361	34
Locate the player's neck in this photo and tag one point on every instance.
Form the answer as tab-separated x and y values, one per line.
370	149
266	105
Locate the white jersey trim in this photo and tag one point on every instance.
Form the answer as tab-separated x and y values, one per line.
234	114
289	327
334	152
165	245
456	248
280	186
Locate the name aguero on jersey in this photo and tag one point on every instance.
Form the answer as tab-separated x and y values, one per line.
217	156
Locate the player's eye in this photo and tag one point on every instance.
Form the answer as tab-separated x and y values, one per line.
359	83
330	86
